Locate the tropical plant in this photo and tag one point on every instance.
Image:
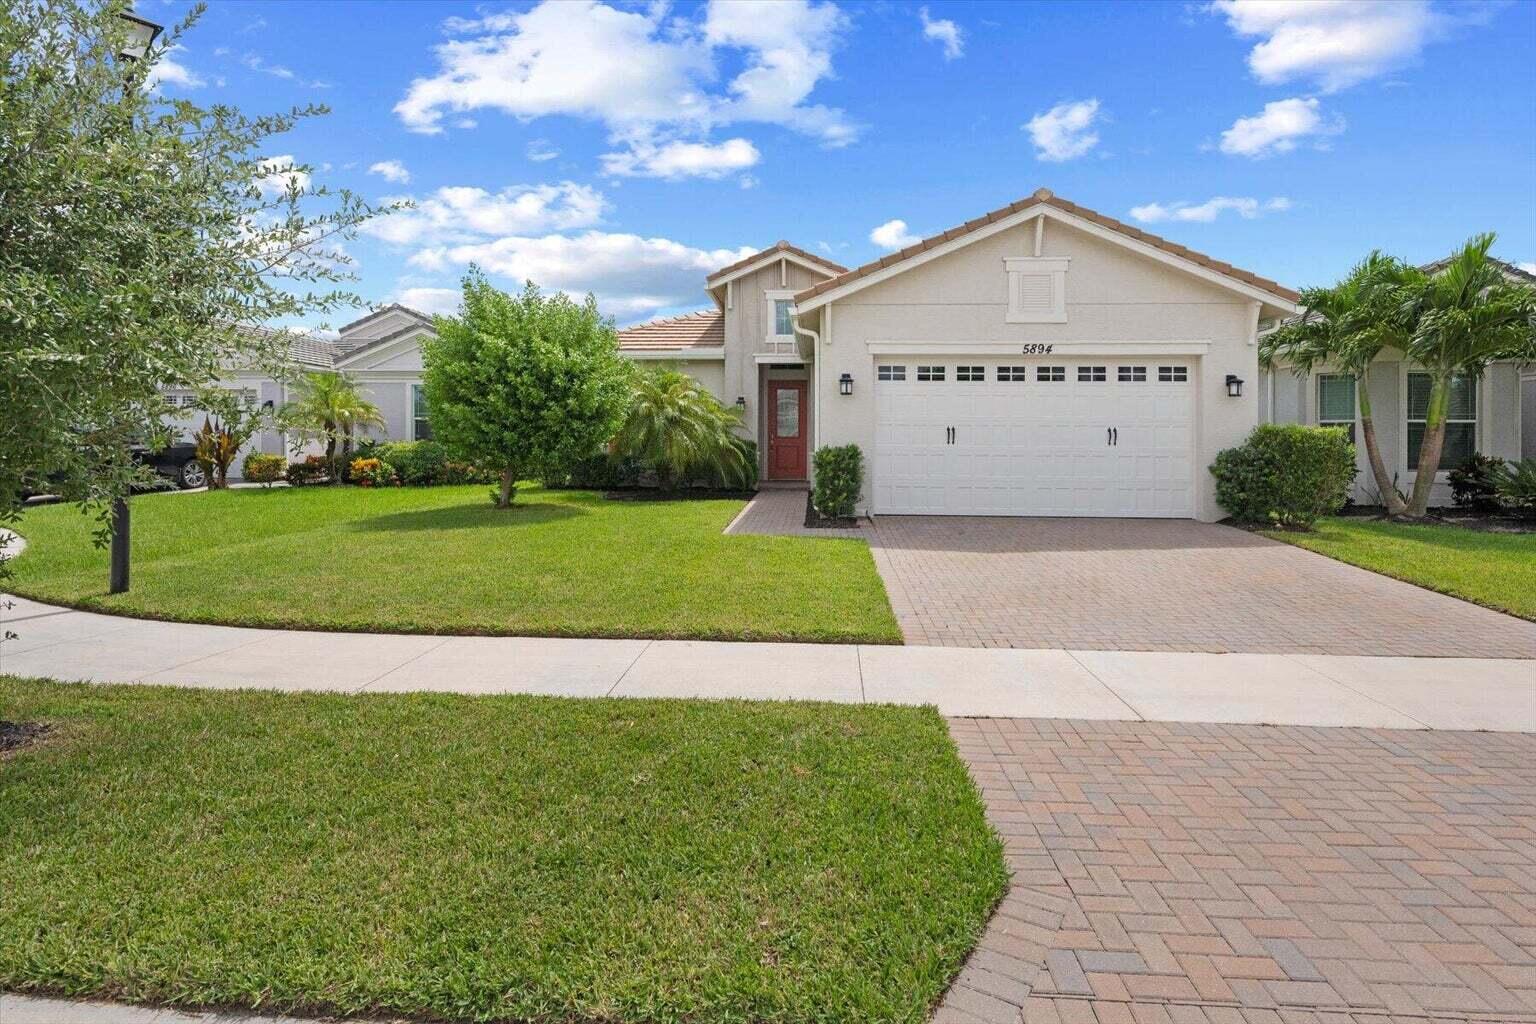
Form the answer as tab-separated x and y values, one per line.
1345	326
680	431
373	473
1473	483
525	384
261	468
1515	483
141	238
329	409
229	423
1285	475
1454	322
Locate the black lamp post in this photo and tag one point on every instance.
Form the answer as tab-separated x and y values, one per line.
141	36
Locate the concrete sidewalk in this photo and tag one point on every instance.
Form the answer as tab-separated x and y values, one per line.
1274	689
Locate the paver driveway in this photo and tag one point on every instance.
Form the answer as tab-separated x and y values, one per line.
1148	584
1230	874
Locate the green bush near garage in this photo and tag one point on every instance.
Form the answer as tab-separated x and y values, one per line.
1285	475
839	478
261	468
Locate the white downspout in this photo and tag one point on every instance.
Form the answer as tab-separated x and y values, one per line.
816	389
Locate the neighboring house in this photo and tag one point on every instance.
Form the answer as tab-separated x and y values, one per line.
1491	415
1040	360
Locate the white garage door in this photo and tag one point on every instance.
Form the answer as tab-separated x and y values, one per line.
1090	437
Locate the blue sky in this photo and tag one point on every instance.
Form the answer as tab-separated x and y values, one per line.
628	149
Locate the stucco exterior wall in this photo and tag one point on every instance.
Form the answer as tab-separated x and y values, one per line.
958	302
748	320
1528	416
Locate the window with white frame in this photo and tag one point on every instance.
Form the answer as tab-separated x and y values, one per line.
1172	374
1460	419
1131	374
1092	374
1336	401
1051	374
894	372
782	325
421	422
970	373
1013	373
930	373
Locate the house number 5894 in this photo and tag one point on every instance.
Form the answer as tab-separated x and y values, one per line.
1037	349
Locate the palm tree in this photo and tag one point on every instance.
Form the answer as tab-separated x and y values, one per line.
328	406
681	431
1346	325
1454	322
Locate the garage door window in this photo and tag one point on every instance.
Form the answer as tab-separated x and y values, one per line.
1460	419
929	373
1172	374
893	373
971	373
1092	374
1051	374
1132	374
1012	373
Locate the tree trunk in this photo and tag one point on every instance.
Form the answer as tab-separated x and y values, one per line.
1430	449
1385	486
330	454
508	488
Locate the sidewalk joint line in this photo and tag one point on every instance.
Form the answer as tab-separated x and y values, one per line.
415	657
631	665
1358	693
200	657
1112	691
858	659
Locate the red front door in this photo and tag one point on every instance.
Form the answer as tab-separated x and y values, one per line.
786	430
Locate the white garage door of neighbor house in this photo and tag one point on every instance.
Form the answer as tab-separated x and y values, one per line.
1096	436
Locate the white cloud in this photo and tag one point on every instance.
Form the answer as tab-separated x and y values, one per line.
391	170
944	32
256	62
1277	128
539	150
630	275
463	213
276	174
1203	213
1529	266
1065	132
675	160
171	72
647	77
893	234
1333	43
444	301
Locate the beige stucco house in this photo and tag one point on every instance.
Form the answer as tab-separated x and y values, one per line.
1039	360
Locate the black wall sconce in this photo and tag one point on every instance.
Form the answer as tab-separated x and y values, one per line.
741	402
1234	386
845	384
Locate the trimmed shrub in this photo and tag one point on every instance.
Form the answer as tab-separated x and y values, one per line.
1285	475
419	463
311	471
839	478
1472	483
1515	483
261	468
373	473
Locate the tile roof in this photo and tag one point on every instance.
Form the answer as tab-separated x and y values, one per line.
1046	197
779	246
393	307
702	330
1510	270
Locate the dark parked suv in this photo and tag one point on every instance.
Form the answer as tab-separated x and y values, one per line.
176	462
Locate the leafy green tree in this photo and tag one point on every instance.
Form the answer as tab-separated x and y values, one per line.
330	409
1345	326
141	240
525	384
1455	322
680	430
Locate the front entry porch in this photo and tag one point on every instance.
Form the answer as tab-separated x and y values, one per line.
786	399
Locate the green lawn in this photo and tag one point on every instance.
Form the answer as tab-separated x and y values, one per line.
1493	569
489	857
443	560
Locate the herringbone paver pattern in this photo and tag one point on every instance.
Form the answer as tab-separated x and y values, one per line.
1235	874
1161	585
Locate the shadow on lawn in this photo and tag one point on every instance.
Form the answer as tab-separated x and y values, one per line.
470	517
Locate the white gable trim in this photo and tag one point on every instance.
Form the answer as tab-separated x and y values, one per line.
768	261
1072	220
370	355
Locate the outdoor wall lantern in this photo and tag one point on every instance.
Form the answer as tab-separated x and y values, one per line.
845	384
741	402
1234	386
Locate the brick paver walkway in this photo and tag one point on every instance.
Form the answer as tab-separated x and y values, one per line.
780	512
1176	873
1162	585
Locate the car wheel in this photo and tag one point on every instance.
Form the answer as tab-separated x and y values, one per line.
191	475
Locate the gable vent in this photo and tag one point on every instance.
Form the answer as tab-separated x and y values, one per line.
1037	289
